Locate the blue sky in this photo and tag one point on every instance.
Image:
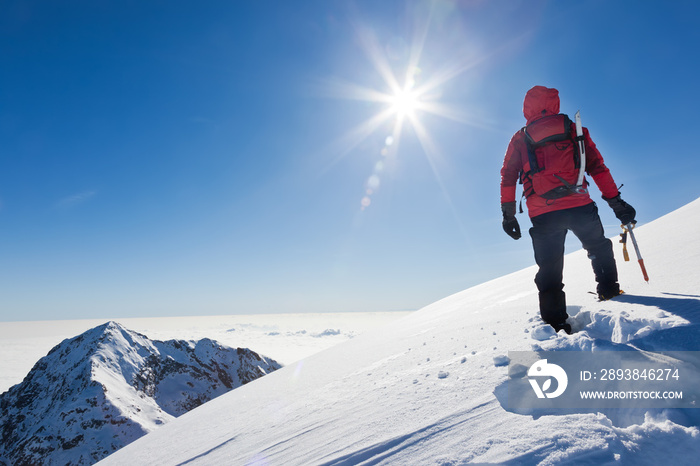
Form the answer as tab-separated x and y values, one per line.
184	158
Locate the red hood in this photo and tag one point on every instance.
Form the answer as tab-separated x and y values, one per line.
540	101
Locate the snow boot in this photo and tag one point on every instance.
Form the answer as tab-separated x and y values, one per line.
608	290
565	326
605	296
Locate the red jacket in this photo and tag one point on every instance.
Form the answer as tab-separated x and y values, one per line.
539	102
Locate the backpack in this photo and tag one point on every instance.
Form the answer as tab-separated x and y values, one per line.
554	160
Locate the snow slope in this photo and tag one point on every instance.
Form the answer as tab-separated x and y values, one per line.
429	388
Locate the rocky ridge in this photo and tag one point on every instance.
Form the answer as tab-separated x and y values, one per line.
95	393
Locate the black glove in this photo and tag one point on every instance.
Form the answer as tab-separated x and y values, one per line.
623	211
510	223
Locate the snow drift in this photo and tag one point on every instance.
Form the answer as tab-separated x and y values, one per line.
95	393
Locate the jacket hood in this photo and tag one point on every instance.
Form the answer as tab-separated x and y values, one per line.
540	101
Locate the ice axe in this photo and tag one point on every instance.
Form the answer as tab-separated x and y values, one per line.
627	229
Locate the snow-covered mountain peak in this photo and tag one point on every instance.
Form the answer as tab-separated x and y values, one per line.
94	393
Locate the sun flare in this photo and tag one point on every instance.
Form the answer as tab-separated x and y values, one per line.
401	104
405	102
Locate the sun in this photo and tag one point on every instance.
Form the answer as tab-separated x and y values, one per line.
404	102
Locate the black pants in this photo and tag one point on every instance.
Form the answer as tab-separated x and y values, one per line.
548	234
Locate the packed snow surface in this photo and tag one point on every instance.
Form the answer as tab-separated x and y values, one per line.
430	387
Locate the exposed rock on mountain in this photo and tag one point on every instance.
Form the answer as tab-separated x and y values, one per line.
101	390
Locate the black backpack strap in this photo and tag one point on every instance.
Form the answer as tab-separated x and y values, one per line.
532	159
533	166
